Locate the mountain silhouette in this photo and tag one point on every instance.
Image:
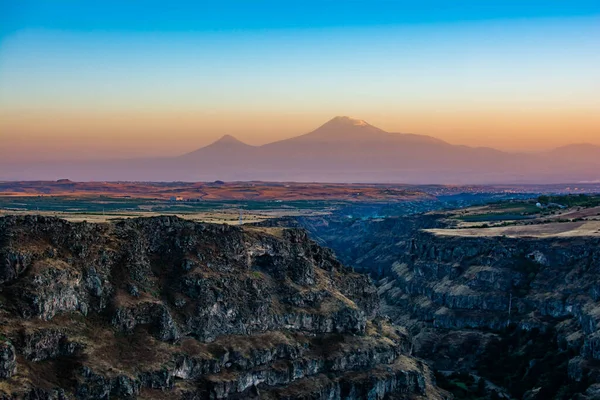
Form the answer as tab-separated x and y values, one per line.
226	146
344	149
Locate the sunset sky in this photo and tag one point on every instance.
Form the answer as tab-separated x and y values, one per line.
97	79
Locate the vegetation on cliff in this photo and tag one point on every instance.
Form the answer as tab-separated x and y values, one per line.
169	308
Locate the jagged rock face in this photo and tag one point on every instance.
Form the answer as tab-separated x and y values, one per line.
369	245
8	360
489	282
167	307
457	291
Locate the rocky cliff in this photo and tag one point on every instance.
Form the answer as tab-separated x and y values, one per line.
523	312
370	245
519	314
167	308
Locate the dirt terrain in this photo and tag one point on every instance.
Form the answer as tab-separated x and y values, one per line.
522	219
184	191
229	216
215	202
556	229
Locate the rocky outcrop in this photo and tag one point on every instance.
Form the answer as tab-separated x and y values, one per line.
467	297
46	344
520	313
168	308
8	360
492	282
370	245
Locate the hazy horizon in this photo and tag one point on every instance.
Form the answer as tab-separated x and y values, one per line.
109	80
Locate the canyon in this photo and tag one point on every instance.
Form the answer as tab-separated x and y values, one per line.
421	305
521	312
168	308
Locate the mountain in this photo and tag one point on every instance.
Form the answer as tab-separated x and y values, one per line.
576	153
343	129
347	149
225	145
226	154
164	308
343	149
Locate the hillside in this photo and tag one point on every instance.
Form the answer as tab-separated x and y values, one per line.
166	308
515	303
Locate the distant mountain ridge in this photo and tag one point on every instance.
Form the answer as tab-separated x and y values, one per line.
344	149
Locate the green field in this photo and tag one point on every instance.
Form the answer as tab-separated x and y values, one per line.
491	217
110	205
507	211
580	200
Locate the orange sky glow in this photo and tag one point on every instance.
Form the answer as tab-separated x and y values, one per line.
60	135
80	81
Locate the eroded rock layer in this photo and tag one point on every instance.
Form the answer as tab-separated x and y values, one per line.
168	308
523	312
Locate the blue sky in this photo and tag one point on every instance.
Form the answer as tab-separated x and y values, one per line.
529	68
200	16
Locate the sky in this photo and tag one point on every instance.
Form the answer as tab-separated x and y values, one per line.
103	79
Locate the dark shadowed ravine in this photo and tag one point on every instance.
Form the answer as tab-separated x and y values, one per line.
519	313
